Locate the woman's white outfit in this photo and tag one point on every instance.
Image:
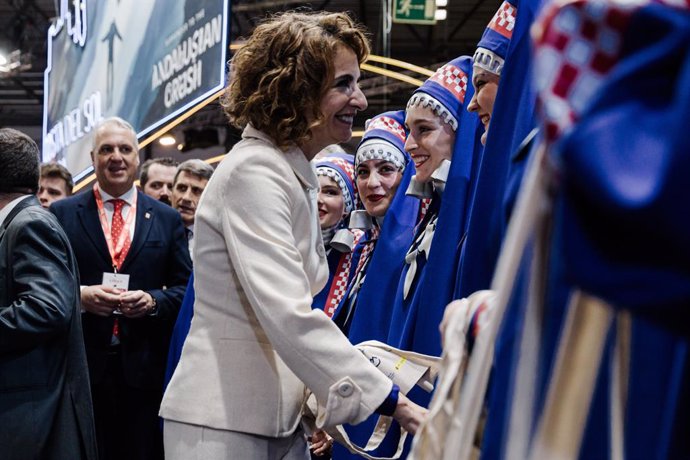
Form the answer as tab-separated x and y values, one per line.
255	341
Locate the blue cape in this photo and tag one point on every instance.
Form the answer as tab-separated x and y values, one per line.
619	232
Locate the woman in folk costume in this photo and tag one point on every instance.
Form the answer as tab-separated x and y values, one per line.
383	172
336	200
502	82
380	170
515	117
436	131
440	129
615	116
601	372
505	102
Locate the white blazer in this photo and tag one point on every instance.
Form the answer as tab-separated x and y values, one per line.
255	342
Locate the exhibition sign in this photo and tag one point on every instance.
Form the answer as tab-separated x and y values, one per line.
146	61
414	12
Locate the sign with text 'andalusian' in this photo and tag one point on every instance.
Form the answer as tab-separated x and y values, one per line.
147	61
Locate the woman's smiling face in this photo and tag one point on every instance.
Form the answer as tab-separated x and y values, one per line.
331	203
339	105
485	88
377	181
429	142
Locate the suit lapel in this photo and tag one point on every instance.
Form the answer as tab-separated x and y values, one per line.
142	227
87	213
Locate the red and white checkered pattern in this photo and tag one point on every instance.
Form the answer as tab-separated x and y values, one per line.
367	250
388	124
503	21
453	79
339	285
341	279
423	208
579	43
345	165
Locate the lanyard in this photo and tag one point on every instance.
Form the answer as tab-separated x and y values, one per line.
116	248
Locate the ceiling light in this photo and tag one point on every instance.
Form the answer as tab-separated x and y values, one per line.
167	139
441	15
442	3
14	62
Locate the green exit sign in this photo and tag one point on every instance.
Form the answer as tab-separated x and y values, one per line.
414	11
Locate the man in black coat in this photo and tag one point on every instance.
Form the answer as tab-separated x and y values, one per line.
134	265
45	402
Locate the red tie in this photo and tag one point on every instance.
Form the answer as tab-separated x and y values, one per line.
117	227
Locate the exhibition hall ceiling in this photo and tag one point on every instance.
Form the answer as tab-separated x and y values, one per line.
24	25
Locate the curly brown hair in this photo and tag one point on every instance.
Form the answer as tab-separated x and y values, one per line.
278	78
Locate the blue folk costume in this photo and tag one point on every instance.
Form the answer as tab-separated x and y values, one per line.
368	304
426	286
504	49
428	280
338	240
615	115
362	314
445	92
180	331
511	121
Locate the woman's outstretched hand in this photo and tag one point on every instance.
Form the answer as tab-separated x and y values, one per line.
409	414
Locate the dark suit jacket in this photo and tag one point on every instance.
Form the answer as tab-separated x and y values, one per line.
157	262
45	401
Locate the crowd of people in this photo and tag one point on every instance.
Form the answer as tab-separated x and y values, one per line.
520	224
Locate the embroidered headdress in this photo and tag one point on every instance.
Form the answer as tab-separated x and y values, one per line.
340	168
444	92
384	139
493	46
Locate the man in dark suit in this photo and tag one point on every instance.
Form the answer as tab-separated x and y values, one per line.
134	265
45	402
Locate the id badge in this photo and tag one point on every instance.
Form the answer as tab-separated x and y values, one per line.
116	280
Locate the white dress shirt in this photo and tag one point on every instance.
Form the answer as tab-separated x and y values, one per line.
4	212
109	207
190	239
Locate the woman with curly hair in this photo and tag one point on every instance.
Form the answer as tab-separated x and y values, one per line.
255	343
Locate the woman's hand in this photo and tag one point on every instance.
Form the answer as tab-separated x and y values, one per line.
321	443
408	414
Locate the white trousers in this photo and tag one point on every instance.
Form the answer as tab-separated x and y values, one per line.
193	442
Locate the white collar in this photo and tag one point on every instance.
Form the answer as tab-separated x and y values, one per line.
128	196
4	212
437	183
